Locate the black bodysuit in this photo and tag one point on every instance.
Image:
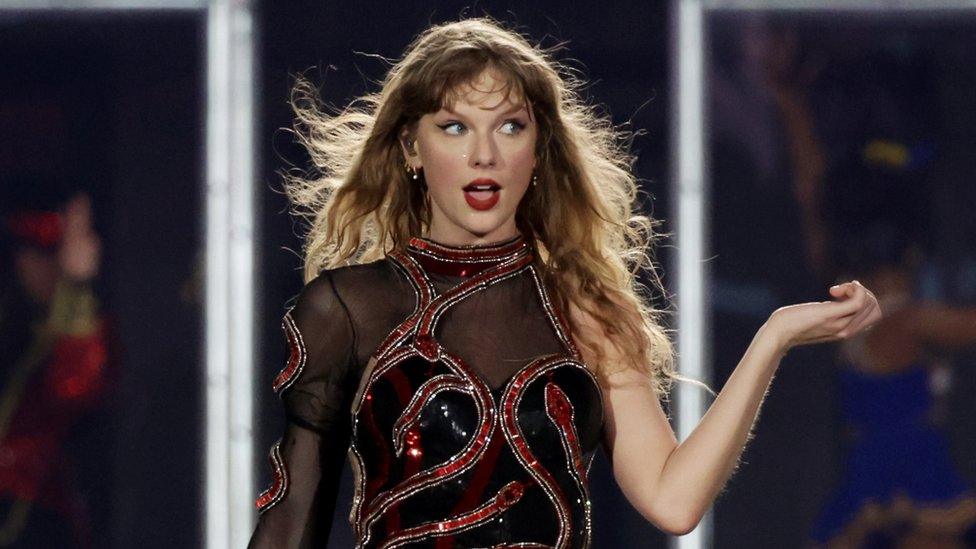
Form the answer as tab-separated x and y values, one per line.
449	380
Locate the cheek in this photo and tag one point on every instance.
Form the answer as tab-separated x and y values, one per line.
442	165
520	163
522	159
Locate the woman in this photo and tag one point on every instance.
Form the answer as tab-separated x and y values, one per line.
472	328
900	486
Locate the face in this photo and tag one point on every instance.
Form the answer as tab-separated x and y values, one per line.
485	138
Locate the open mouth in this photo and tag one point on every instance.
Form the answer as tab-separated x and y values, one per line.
482	196
481	192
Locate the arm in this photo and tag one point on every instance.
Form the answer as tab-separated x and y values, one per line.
789	77
809	164
297	509
653	470
672	485
944	327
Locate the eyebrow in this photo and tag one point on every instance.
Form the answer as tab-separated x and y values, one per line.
516	108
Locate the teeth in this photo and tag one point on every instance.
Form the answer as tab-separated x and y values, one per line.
482	187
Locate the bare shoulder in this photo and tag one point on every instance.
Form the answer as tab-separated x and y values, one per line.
594	331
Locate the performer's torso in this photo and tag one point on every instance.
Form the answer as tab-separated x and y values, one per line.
476	421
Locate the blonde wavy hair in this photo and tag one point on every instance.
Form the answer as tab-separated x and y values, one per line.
582	217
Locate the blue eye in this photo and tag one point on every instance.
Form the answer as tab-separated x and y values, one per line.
450	124
518	125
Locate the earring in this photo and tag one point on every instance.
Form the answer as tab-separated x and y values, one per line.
411	169
535	179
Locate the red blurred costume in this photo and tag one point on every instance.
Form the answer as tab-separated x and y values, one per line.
53	361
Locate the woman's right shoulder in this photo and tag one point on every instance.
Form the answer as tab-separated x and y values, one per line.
359	276
359	283
340	285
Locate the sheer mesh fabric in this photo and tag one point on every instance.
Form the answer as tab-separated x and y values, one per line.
303	517
496	330
317	398
343	316
313	446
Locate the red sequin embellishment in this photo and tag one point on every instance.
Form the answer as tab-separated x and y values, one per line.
560	411
427	347
279	483
296	358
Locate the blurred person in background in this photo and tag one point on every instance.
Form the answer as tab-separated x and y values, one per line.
53	362
862	152
899	486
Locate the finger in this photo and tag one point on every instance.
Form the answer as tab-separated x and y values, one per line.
833	326
876	315
837	290
870	313
81	208
77	215
71	215
843	291
871	316
853	301
859	319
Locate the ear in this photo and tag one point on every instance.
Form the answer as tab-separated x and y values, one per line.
408	143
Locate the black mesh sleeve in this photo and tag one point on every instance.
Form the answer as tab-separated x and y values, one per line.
316	387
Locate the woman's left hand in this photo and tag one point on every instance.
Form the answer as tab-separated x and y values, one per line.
855	309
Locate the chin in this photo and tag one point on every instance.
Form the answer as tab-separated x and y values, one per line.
487	221
480	231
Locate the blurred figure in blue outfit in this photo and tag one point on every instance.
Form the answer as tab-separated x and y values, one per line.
899	486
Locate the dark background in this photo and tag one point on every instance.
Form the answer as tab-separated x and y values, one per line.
113	102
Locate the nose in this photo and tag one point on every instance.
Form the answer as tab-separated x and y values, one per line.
483	152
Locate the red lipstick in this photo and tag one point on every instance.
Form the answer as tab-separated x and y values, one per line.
482	193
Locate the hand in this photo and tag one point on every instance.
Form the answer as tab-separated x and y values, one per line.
80	252
854	310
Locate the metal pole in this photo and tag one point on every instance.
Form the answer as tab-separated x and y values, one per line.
688	189
229	466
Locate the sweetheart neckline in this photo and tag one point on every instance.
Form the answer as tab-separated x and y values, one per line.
508	379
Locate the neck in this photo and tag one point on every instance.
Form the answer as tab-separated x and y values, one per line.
466	259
